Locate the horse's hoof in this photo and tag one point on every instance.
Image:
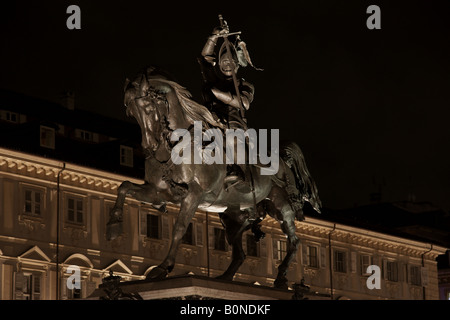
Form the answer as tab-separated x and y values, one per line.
157	273
113	230
281	284
224	277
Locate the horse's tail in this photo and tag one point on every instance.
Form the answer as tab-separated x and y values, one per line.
292	155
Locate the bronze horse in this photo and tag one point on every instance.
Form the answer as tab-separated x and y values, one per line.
160	106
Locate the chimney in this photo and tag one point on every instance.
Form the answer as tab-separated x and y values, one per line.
68	100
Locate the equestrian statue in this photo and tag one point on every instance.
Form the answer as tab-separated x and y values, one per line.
239	192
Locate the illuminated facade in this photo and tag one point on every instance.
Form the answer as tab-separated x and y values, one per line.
32	249
58	182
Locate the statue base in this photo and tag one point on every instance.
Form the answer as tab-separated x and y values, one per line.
193	287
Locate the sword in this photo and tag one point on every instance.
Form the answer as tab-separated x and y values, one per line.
229	34
224	25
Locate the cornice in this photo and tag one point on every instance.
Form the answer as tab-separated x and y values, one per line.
41	169
358	237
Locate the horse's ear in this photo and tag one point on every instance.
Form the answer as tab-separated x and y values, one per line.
127	111
125	86
143	85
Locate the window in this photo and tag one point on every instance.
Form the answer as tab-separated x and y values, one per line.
47	137
188	237
313	258
365	261
252	246
391	271
12	116
219	239
74	293
75	210
86	135
32	202
280	249
153	226
27	286
126	156
340	261
415	275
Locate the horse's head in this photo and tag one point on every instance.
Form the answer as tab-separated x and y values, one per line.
146	100
160	104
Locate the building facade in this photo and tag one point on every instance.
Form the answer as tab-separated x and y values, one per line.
60	169
444	276
54	214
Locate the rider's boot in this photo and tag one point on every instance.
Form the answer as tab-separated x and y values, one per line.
236	178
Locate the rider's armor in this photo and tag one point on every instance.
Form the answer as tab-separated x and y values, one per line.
220	96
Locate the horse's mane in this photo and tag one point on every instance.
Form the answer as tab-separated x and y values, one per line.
193	110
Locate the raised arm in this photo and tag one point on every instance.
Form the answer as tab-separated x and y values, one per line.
210	45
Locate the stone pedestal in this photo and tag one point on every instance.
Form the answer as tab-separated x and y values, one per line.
194	287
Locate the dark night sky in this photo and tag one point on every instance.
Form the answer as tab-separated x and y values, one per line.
367	107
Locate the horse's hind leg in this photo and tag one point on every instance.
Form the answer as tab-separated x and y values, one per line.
280	209
234	222
288	227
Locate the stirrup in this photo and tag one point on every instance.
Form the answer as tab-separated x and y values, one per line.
231	179
239	184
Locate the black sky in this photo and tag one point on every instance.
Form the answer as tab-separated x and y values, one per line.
368	107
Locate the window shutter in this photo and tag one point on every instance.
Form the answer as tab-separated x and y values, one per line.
401	272
353	261
36	291
421	280
275	249
143	222
198	234
83	289
323	257
263	248
63	288
41	202
424	276
20	285
305	254
408	273
361	265
384	269
165	234
375	261
211	237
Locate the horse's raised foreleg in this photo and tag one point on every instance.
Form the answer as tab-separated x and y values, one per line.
235	223
114	227
188	208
